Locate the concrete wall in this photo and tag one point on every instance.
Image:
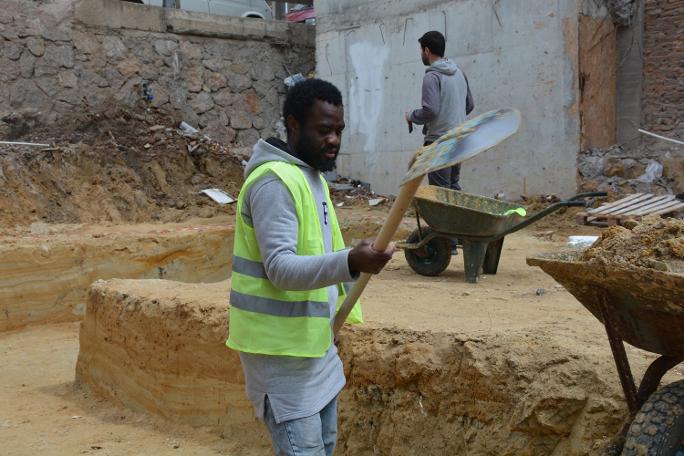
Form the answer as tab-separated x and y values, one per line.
222	74
517	53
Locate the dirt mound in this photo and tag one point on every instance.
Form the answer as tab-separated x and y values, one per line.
653	243
116	166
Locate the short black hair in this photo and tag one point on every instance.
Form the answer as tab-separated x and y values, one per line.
300	98
434	41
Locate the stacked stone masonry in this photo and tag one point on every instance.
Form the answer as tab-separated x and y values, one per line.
52	64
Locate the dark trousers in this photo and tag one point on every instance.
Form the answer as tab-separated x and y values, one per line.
447	177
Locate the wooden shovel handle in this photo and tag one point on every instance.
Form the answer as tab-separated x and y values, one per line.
399	208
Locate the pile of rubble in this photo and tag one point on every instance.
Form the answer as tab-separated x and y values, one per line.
620	171
116	166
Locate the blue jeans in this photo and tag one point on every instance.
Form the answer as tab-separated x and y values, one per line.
315	435
447	177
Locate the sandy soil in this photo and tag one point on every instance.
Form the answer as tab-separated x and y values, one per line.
652	243
43	412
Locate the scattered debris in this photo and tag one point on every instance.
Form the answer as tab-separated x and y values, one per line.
188	129
129	170
654	171
545	235
218	195
293	80
540	291
341	187
664	138
353	192
19	143
581	241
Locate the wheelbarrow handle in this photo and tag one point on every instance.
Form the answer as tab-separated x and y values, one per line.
575	201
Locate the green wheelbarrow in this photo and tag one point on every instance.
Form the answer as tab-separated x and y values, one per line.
479	224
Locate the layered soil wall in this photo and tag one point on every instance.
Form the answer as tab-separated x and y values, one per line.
45	275
158	346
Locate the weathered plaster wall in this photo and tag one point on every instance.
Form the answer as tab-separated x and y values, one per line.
520	53
222	74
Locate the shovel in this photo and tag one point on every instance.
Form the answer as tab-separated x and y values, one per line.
463	142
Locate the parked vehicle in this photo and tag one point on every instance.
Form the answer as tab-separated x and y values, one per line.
303	14
242	8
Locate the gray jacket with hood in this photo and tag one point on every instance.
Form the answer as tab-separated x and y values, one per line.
446	99
296	387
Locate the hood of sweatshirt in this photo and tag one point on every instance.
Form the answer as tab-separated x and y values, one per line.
271	150
444	66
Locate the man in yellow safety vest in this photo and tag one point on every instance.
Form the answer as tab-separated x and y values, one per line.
290	267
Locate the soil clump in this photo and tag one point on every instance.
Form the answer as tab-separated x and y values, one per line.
653	243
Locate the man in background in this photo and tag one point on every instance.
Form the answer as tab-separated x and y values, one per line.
446	101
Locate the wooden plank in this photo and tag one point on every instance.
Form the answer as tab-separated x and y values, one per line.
661	205
645	203
676	207
614	203
581	218
626	204
654	202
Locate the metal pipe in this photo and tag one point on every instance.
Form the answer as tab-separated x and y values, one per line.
17	143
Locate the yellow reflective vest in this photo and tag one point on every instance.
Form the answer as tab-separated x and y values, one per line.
264	319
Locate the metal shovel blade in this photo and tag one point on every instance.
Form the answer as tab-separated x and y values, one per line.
461	143
465	141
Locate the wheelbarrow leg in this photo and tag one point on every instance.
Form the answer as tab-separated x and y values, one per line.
617	346
491	259
473	257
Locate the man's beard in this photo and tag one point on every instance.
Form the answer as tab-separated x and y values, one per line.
314	157
426	62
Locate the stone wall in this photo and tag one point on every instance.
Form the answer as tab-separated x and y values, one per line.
223	75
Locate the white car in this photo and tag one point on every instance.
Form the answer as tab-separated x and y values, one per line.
242	8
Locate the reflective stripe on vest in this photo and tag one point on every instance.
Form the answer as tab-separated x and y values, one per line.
263	318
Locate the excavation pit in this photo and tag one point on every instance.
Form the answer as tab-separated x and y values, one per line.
469	385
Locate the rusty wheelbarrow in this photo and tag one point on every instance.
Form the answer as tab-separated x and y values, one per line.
644	308
477	222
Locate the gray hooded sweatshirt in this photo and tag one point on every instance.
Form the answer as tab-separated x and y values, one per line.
296	387
446	99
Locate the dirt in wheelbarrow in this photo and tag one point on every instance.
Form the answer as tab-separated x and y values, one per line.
653	243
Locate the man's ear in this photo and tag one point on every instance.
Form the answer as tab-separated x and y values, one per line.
292	125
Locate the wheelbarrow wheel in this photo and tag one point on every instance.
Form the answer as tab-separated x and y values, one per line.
432	258
658	428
